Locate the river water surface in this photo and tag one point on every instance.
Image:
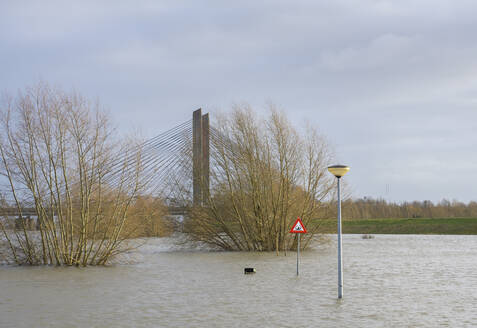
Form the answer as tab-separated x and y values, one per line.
389	281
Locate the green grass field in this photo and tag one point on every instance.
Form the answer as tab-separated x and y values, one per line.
442	226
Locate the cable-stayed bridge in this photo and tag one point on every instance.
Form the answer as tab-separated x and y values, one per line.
174	166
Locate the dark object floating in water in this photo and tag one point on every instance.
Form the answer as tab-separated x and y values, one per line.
367	236
249	270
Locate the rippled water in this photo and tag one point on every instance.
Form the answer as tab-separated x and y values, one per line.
389	281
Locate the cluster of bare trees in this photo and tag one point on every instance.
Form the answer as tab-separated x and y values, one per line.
369	208
59	155
264	175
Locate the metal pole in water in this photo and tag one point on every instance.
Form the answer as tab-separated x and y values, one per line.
338	171
297	253
340	250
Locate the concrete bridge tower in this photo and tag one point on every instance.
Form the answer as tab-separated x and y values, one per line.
200	156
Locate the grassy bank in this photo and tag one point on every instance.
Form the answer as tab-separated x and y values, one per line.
443	226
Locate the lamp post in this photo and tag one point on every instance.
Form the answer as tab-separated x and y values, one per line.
338	171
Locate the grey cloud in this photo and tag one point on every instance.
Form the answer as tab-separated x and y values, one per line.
390	82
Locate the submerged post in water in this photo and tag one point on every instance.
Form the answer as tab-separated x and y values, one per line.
297	254
340	249
338	171
298	228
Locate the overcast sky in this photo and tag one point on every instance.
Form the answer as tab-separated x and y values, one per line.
392	84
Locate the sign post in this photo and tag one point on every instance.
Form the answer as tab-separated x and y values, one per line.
298	228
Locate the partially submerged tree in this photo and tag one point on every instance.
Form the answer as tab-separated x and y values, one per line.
264	174
58	154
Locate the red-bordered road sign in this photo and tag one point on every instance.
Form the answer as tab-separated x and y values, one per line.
298	227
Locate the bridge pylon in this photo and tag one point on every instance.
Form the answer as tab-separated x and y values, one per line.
200	156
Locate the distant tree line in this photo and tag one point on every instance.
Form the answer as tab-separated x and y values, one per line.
370	208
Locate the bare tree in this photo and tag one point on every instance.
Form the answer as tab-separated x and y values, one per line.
56	153
264	175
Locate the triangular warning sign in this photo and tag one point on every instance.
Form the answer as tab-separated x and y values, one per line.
298	227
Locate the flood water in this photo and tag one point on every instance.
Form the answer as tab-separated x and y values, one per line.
389	281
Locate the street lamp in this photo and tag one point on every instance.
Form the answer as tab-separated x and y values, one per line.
338	171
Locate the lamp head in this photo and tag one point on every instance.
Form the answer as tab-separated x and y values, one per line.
338	170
